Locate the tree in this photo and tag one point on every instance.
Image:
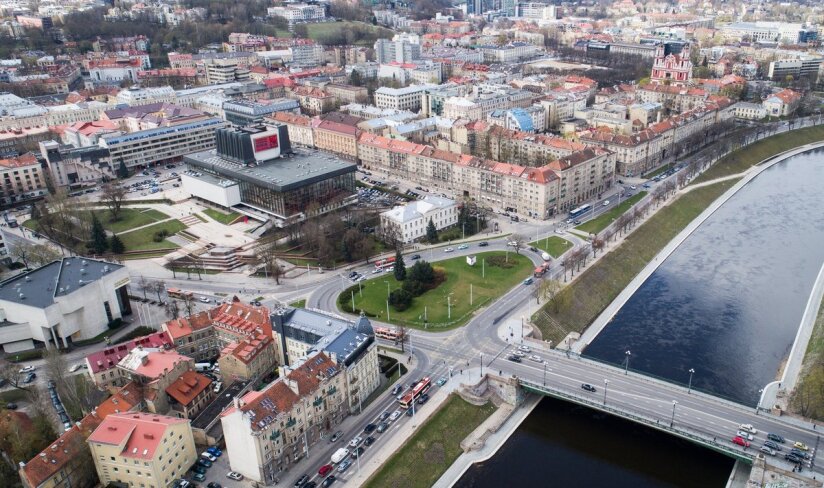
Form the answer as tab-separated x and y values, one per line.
112	196
144	285
172	309
431	232
518	242
159	286
400	266
116	245
301	30
122	171
400	299
267	257
33	254
99	240
550	290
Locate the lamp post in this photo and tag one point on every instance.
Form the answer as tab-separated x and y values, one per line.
626	363
672	421
606	387
544	374
758	405
387	311
387	288
689	387
482	364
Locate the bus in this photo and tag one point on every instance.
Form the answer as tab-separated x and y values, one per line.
577	212
388	333
178	293
417	390
385	264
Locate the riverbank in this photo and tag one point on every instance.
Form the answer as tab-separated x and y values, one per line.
588	297
807	397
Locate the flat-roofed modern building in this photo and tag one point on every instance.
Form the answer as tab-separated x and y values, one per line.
245	112
69	299
254	169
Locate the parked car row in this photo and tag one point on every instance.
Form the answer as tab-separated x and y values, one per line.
204	462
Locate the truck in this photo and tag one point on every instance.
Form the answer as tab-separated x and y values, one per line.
10	220
540	270
203	367
339	455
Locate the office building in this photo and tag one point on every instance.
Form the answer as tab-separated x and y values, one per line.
408	223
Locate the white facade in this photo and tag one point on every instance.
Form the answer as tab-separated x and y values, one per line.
408	98
225	193
299	12
307	55
750	111
142	96
409	222
72	298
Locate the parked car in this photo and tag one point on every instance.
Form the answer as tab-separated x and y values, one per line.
26	369
29	378
75	367
214	451
208	456
204	462
198	469
588	387
199	476
232	475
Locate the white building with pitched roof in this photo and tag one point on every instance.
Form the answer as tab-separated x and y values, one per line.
409	222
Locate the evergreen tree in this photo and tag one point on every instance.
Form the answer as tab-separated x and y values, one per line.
122	170
116	245
431	232
400	266
99	241
35	212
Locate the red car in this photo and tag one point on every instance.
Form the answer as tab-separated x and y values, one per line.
325	469
740	441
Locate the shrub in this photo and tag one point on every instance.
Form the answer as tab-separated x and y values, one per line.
500	261
160	235
400	299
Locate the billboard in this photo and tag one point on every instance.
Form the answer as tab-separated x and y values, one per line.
266	145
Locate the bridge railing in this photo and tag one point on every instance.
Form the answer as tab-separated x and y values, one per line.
696	435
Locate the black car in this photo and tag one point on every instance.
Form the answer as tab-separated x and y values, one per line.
483	244
214	485
369	441
776	438
311	484
415	257
385	415
11	406
793	458
423	399
301	481
369	428
358	452
397	389
799	453
353	274
533	249
328	481
588	387
514	358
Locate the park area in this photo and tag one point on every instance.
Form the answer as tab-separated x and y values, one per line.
602	221
434	447
552	245
130	218
465	289
146	238
221	217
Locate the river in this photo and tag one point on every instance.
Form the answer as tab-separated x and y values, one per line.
727	303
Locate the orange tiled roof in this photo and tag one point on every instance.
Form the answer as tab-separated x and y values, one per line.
53	458
188	387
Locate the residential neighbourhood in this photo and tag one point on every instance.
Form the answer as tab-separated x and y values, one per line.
371	243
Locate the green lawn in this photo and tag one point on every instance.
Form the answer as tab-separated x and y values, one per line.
553	245
433	448
808	397
657	172
298	304
598	286
601	222
130	218
221	217
459	276
30	224
330	30
141	240
740	160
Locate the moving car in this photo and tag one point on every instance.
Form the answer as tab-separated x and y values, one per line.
748	428
741	442
745	435
336	436
514	358
369	428
383	416
801	445
606	203
325	470
369	441
356	441
396	390
528	281
799	453
205	300
301	481
441	381
448	249
536	358
395	415
483	244
776	438
328	481
772	445
342	467
793	459
423	399
524	348
415	257
382	427
588	387
358	452
767	450
463	246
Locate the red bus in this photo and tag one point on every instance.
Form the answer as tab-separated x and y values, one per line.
178	293
388	333
419	389
385	264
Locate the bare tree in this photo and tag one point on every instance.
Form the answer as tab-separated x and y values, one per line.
144	285
112	196
550	290
159	286
172	309
189	303
597	243
518	242
267	257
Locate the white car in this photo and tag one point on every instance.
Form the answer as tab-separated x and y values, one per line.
448	249
524	348
209	456
512	243
745	435
205	300
356	441
218	386
520	354
234	476
536	358
748	428
606	203
395	415
27	369
76	367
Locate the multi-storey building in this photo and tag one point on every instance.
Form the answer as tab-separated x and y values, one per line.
347	93
509	53
299	12
338	138
306	55
248	112
268	431
403	48
23	178
141	96
802	66
312	100
248	358
782	103
154	371
484	99
102	365
409	222
194	336
135	449
189	394
409	98
672	68
299	128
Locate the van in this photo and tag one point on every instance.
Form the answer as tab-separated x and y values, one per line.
201	367
339	455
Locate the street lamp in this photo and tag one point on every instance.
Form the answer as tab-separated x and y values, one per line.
626	363
672	421
387	288
689	388
758	405
606	386
482	364
544	374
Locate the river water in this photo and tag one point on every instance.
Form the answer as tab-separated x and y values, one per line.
726	303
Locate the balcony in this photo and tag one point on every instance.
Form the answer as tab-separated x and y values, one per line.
332	390
318	401
291	422
275	434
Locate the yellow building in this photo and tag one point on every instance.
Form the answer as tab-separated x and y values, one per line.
142	450
249	358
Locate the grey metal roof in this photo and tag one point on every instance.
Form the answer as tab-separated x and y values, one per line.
38	287
327	332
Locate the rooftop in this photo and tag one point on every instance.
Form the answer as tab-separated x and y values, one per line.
187	387
109	357
140	434
151	363
39	287
55	457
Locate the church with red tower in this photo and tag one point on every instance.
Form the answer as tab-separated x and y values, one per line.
672	69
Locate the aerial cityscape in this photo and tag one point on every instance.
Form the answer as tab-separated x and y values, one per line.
411	243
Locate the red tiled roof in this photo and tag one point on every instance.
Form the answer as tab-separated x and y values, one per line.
54	457
339	128
184	326
188	387
27	159
140	432
124	400
248	349
109	357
